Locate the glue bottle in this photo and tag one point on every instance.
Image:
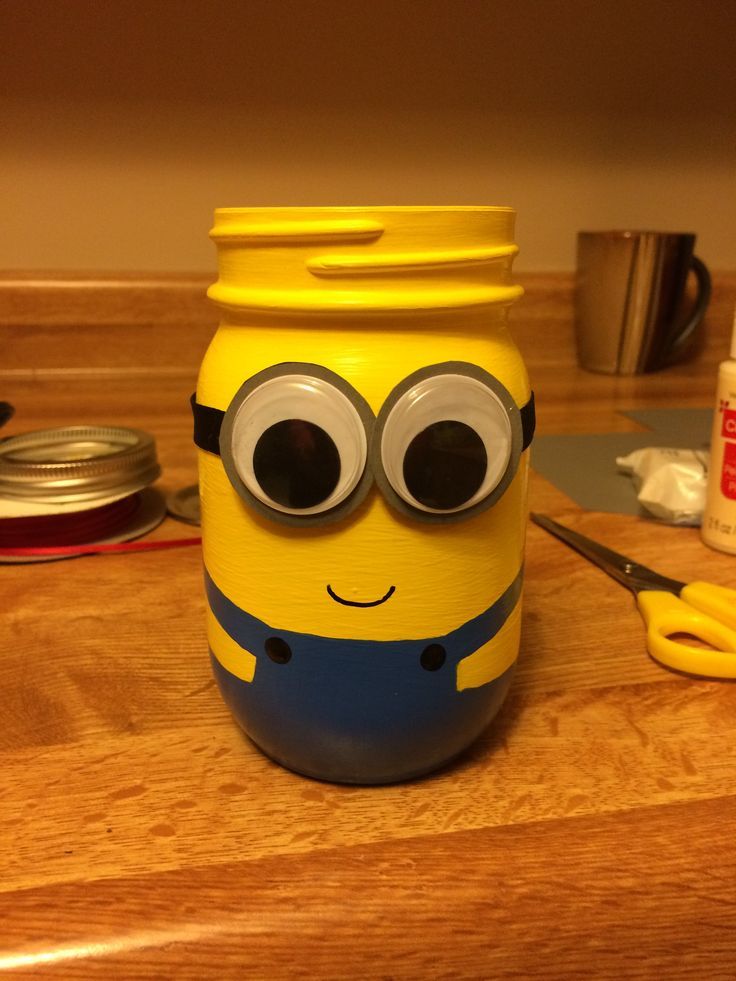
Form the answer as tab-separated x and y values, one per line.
719	519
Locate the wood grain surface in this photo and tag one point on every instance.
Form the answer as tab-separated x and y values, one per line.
588	833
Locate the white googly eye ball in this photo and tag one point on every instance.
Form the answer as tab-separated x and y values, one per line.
446	443
298	444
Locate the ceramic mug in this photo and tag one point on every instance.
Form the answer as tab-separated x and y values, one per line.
363	418
629	297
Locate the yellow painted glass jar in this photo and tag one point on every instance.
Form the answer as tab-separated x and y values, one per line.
363	420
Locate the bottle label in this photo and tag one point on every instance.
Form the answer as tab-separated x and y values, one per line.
728	422
728	471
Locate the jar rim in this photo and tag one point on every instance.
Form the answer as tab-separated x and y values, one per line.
355	208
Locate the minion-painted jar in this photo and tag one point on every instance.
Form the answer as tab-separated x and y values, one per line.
363	418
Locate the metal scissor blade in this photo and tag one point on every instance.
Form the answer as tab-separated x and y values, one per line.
621	568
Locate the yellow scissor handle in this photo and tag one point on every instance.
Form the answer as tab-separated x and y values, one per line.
718	601
665	614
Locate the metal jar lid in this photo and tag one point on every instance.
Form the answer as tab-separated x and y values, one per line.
77	463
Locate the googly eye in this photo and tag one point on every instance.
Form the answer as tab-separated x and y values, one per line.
295	441
449	440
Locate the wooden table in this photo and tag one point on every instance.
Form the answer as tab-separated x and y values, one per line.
588	833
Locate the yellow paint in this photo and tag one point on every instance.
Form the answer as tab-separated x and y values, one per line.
400	262
272	259
373	331
444	574
230	654
230	228
373	356
492	659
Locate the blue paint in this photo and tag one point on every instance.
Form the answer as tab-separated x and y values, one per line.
360	711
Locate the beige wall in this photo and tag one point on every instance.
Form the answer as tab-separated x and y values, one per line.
124	123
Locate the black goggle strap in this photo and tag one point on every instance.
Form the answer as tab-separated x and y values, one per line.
208	422
207	425
528	422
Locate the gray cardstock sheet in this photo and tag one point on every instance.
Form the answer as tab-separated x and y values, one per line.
584	466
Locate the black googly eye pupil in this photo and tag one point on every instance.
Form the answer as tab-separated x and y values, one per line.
445	465
296	463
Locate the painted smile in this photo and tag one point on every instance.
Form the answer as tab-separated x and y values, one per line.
339	599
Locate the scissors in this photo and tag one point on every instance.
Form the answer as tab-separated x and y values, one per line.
701	609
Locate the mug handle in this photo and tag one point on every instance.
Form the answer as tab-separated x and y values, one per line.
701	303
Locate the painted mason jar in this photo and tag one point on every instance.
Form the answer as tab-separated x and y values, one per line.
363	417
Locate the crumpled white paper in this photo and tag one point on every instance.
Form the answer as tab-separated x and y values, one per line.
670	483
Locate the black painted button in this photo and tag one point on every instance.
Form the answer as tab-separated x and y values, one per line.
433	657
278	650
